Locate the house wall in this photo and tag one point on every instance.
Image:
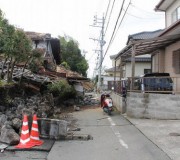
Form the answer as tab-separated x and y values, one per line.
169	65
111	73
158	61
170	11
42	45
106	79
168	58
139	68
117	62
157	106
119	102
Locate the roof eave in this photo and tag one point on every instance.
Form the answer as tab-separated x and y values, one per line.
157	8
169	28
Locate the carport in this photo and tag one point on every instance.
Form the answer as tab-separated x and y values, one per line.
142	47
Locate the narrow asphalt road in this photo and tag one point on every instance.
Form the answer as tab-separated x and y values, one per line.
114	138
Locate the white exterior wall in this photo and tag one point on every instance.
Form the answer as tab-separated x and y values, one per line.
117	62
113	62
169	12
107	78
78	87
139	68
42	44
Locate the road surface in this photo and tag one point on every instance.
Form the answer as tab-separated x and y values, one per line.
114	137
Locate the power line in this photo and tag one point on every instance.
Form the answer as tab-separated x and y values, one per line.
109	16
121	20
142	17
110	42
107	9
142	10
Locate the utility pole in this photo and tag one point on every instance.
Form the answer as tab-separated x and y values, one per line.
99	23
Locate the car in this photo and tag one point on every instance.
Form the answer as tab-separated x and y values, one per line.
154	82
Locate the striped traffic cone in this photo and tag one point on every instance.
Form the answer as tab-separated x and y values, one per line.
34	136
25	139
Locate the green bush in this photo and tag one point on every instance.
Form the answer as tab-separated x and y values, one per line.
4	83
62	90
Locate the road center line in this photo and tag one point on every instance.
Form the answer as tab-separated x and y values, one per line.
117	134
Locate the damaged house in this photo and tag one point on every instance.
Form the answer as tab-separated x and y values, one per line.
50	46
52	59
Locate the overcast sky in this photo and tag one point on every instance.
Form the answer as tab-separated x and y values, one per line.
74	17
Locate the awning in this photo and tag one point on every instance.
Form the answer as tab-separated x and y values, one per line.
148	46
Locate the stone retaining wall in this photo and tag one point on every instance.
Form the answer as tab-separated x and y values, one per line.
156	106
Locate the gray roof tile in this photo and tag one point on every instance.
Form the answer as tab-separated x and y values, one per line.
144	35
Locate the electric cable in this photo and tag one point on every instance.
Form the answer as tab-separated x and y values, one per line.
107	9
110	42
122	20
109	17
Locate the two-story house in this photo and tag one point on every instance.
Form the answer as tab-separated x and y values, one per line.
167	59
163	48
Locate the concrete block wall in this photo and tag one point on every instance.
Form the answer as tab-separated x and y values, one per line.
151	106
119	102
155	106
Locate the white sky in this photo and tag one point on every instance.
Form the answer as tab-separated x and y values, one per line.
74	17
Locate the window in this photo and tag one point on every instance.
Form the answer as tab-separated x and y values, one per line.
176	15
176	61
147	71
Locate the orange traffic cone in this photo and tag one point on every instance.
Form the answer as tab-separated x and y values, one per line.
34	136
25	139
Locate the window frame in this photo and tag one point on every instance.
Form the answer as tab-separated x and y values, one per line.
175	16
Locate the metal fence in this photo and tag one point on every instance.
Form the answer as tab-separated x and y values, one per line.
163	85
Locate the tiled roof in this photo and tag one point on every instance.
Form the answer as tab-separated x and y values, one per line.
38	36
144	35
141	36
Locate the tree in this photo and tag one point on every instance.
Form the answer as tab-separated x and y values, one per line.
36	59
15	45
71	54
6	30
22	49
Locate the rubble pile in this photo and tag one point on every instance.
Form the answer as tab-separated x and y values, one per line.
43	106
32	98
11	117
89	100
